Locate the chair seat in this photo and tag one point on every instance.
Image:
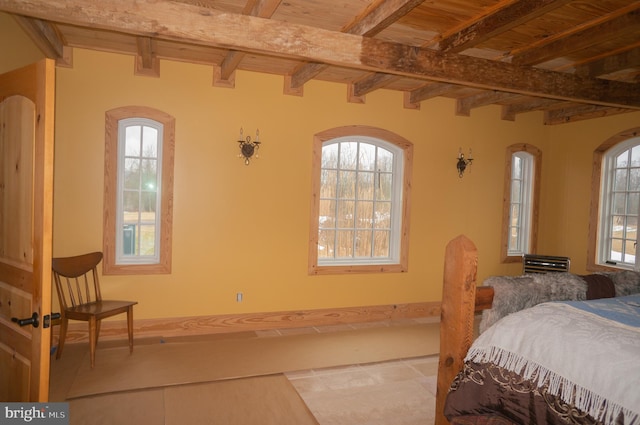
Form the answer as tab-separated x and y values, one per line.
99	309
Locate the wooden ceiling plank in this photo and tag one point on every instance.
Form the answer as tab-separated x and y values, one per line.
496	23
196	25
607	65
608	29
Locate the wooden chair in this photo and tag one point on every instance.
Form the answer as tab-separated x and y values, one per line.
80	298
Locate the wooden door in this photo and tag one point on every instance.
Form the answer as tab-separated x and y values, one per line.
26	198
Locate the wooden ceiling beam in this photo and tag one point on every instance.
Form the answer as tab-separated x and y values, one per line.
607	65
370	22
224	75
261	8
46	38
496	23
430	91
147	63
466	104
230	63
510	111
306	71
580	112
381	15
196	25
607	28
371	82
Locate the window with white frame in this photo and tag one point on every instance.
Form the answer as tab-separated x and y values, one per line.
620	206
360	204
520	201
139	153
139	191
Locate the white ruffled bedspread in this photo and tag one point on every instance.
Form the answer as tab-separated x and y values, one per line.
586	352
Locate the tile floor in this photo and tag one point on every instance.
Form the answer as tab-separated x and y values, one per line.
400	392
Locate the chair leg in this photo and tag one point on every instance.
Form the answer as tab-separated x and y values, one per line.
98	325
130	327
93	339
63	334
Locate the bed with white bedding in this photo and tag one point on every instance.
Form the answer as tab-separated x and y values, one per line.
574	362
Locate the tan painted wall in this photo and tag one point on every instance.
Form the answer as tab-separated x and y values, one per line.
244	229
568	161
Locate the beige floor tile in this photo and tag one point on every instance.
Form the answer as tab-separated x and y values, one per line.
426	365
392	403
386	393
394	372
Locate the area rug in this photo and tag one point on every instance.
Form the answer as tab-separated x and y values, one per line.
177	363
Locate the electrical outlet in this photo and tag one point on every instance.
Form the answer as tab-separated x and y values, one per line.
239	297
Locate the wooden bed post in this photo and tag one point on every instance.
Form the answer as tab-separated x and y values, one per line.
457	313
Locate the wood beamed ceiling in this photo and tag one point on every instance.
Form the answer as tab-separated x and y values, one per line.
572	59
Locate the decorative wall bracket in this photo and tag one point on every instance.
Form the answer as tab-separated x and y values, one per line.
248	148
463	162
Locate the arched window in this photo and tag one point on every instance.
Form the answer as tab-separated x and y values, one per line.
520	209
359	219
139	151
618	202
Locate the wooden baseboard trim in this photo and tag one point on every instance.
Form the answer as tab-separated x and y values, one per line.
199	325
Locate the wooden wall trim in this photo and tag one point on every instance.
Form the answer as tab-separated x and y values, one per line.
199	325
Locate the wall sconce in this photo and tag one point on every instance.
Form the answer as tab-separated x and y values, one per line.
248	147
463	162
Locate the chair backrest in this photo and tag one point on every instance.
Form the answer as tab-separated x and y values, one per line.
533	263
77	279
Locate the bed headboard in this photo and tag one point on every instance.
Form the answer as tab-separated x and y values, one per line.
461	298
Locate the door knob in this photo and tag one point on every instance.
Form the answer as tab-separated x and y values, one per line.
33	320
47	319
